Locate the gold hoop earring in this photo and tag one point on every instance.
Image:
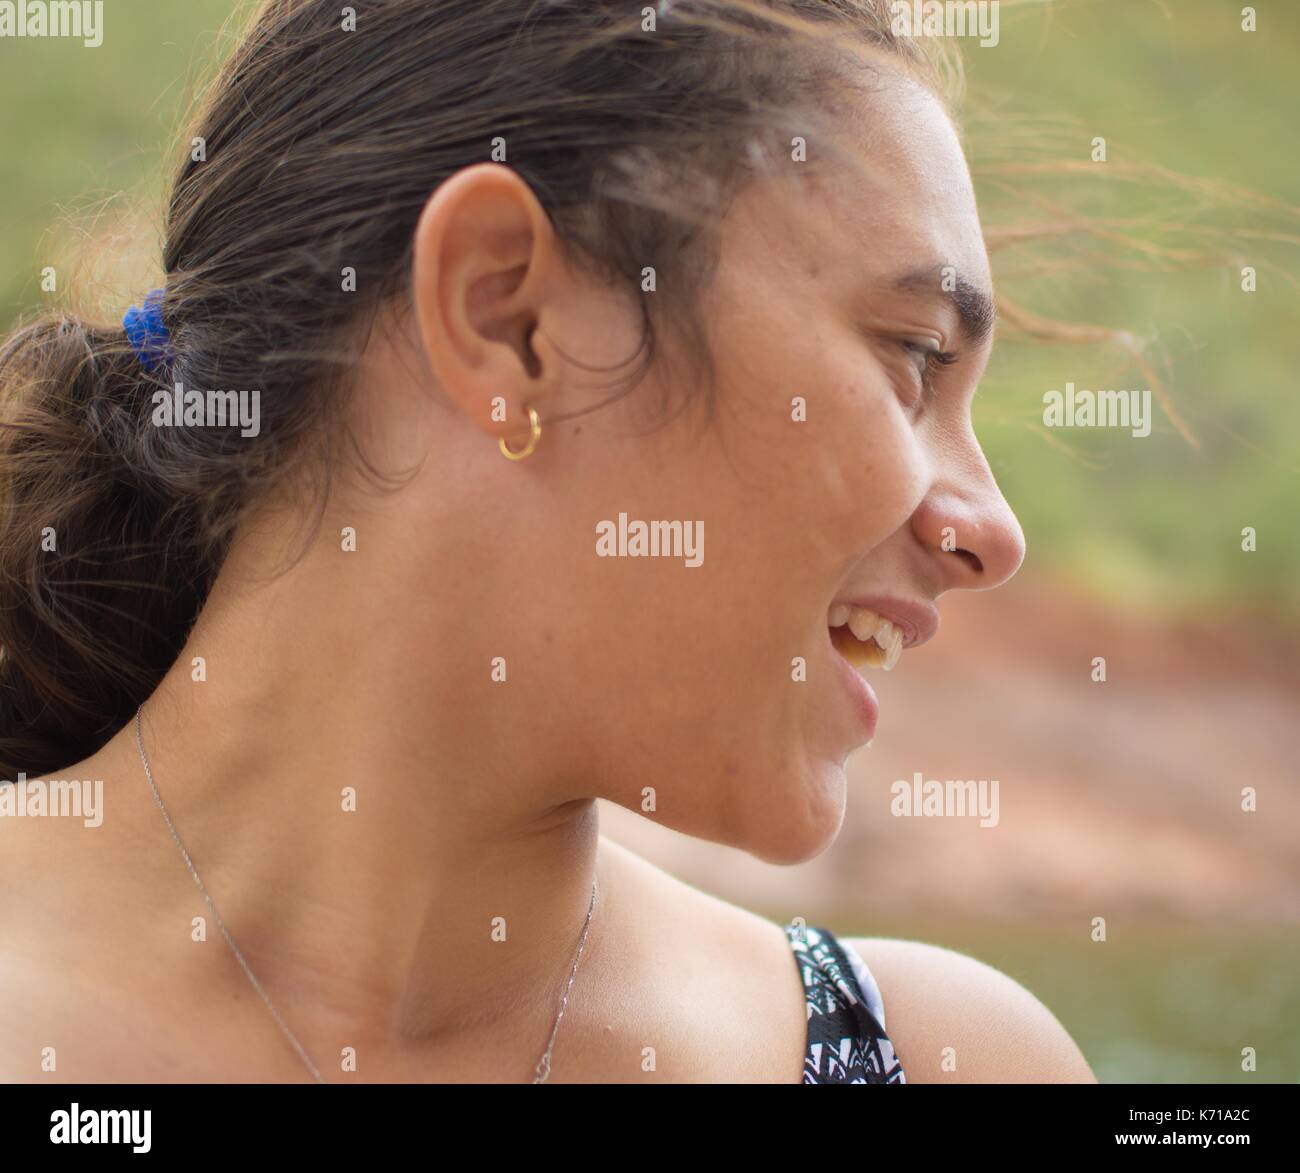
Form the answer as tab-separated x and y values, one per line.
535	434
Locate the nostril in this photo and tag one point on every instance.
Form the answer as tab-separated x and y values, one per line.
972	560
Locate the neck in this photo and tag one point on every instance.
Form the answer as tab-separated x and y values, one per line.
384	855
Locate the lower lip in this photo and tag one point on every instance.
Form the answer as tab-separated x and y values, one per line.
864	697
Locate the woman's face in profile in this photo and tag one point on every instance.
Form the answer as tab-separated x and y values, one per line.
849	318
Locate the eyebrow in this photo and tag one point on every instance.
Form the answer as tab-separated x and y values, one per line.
974	306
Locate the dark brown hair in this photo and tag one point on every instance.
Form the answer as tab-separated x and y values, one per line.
320	147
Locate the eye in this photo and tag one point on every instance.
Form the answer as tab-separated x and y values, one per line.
927	359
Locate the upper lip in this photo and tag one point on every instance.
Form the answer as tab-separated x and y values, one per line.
918	621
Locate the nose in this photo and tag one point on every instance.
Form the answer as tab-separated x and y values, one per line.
968	529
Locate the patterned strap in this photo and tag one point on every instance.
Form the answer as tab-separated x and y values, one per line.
847	1042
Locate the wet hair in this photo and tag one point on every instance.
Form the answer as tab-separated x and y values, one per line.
320	145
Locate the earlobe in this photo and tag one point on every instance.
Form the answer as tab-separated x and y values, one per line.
478	261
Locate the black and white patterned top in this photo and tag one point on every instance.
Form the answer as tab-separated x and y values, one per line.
846	1014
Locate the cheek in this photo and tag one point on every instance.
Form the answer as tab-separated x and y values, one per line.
798	493
868	469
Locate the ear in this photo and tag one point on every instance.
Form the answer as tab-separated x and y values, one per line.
484	253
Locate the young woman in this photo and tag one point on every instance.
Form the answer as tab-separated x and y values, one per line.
502	288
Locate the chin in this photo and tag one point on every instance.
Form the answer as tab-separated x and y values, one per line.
804	823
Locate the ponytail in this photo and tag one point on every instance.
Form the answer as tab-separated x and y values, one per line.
94	602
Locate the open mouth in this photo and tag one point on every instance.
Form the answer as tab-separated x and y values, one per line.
863	638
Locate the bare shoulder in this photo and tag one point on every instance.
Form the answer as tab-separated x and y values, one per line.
944	1010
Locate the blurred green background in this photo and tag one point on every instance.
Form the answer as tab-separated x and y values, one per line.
1175	87
1201	179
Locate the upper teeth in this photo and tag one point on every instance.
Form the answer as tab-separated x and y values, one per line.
866	625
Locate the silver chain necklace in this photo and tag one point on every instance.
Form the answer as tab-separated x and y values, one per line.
542	1072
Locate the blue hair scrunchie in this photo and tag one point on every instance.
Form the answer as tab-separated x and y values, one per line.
147	332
